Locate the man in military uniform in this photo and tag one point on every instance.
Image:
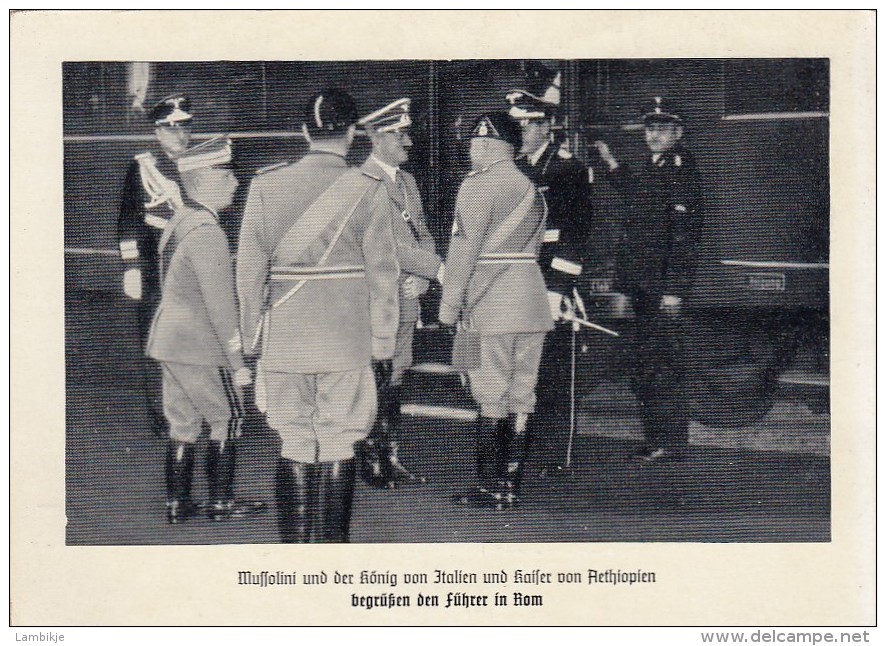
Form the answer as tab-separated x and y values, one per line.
493	283
196	338
656	270
317	277
150	195
387	128
568	191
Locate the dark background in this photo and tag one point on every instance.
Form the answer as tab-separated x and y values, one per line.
758	128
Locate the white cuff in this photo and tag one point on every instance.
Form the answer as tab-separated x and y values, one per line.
129	249
566	266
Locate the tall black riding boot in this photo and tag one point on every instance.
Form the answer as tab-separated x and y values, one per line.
179	474
296	491
486	493
335	493
373	453
221	460
504	429
515	455
395	418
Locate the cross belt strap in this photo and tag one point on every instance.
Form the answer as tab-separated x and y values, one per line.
156	221
339	200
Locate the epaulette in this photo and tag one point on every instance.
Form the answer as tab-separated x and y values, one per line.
195	219
268	169
371	176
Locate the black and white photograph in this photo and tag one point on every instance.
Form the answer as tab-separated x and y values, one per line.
448	304
635	252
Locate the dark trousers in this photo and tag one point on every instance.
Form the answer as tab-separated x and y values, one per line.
152	373
658	378
550	426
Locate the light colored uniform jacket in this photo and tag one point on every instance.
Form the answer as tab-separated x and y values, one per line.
342	253
415	245
496	282
196	322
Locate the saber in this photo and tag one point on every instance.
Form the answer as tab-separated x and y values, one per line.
593	326
571	396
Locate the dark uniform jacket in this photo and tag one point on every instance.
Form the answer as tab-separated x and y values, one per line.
565	184
497	284
139	228
196	322
663	226
328	226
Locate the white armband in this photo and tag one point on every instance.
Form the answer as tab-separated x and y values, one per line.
566	266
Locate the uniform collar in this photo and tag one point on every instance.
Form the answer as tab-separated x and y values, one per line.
327	157
212	211
534	157
497	161
390	171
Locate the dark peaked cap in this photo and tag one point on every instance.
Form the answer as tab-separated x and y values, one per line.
661	110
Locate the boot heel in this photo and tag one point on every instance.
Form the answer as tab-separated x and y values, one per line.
221	460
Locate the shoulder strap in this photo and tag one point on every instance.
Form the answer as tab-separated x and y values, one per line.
338	201
510	223
501	233
327	201
177	230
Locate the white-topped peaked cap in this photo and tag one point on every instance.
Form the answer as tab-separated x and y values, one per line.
540	102
213	152
391	118
173	110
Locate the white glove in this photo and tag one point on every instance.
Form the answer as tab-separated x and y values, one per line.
132	283
409	289
670	305
441	273
556	302
243	377
606	154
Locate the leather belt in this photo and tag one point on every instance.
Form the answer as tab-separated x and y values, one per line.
318	273
506	258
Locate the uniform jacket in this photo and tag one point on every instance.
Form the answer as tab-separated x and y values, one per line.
137	239
497	298
328	325
415	245
197	320
565	184
663	227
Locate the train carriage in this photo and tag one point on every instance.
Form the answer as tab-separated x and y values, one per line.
759	129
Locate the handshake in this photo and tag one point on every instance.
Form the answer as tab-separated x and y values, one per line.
414	286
